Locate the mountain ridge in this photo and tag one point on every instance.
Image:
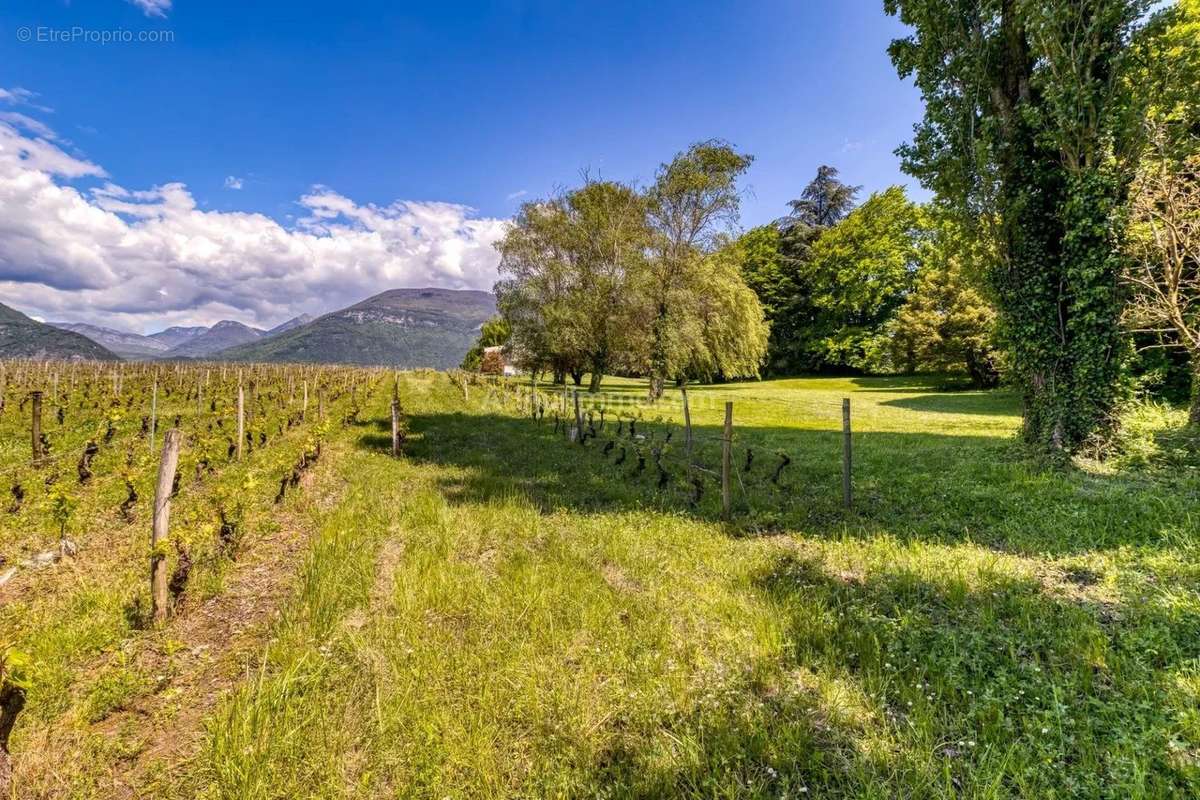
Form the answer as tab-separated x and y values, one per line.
125	345
24	337
407	328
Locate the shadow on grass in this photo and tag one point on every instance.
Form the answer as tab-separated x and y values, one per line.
1060	686
923	487
966	402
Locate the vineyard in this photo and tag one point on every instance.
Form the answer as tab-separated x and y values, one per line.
83	448
550	593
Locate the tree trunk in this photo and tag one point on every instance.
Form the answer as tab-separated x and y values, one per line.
597	377
560	377
658	353
1194	413
577	377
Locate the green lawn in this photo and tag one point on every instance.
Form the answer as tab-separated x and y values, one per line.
504	614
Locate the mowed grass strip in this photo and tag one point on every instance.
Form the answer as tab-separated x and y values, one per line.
500	614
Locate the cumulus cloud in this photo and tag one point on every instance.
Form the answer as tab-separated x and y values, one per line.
153	8
232	182
141	259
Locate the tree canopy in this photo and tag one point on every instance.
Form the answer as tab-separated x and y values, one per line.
608	278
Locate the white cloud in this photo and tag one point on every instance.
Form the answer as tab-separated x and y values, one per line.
16	95
517	195
232	182
143	259
153	8
851	146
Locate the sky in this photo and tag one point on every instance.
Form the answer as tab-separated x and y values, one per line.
255	160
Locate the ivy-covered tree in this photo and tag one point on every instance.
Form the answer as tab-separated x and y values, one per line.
1030	130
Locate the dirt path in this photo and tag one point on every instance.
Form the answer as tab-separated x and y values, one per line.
206	649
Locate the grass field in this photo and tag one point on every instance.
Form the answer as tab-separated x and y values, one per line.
502	613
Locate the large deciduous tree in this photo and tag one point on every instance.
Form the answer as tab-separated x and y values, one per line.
693	200
946	323
1030	130
857	275
568	269
1165	270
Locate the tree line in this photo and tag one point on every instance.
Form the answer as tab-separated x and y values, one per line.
1060	252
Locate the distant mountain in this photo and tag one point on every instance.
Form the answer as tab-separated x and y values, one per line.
126	345
224	334
177	335
294	322
401	328
22	337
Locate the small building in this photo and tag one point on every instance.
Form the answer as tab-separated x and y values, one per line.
495	363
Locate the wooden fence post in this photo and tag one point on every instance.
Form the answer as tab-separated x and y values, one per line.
395	428
687	427
241	421
35	427
153	413
304	405
846	453
160	525
727	464
578	419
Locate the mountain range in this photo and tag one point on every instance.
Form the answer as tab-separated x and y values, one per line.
404	328
22	337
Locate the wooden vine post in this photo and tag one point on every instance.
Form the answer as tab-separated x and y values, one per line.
241	420
35	427
687	427
846	453
304	405
153	413
578	419
727	464
395	428
161	521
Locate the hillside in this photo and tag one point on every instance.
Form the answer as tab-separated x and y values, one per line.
177	335
22	337
401	327
291	324
224	334
125	345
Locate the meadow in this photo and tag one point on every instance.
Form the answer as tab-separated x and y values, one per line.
504	613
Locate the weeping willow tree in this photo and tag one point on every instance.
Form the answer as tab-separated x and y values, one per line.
714	325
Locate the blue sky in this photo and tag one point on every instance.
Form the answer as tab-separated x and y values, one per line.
478	104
